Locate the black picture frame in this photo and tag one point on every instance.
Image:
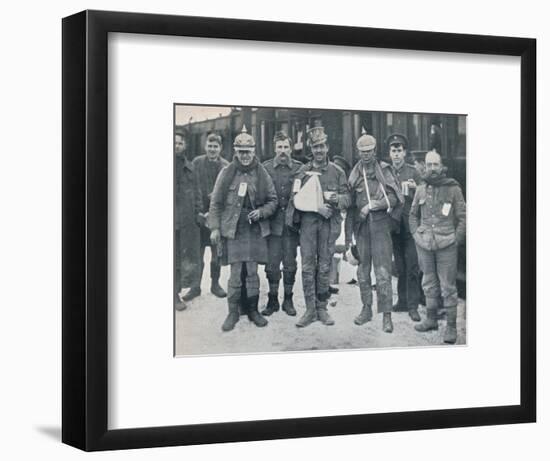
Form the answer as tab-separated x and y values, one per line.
85	223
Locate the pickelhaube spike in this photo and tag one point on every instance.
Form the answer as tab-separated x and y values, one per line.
363	131
244	140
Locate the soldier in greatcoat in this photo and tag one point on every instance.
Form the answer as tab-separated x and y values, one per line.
187	232
243	200
207	167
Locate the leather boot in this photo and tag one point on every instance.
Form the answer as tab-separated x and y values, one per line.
308	318
288	305
243	302
430	322
387	324
324	317
253	315
232	317
191	294
450	331
217	290
272	304
414	315
364	317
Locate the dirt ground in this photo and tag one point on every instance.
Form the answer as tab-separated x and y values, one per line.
198	328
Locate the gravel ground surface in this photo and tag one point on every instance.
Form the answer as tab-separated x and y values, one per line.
198	328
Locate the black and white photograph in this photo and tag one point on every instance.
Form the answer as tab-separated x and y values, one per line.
269	231
302	229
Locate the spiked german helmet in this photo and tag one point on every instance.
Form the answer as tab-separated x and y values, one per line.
366	141
243	140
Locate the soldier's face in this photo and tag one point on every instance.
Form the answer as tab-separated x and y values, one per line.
433	165
179	144
367	156
213	150
245	156
283	151
320	152
397	154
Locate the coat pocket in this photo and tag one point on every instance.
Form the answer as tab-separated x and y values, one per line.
445	237
421	238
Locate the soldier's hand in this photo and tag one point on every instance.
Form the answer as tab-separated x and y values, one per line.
215	237
325	211
333	199
254	215
412	184
364	212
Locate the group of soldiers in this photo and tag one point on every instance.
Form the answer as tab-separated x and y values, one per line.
251	213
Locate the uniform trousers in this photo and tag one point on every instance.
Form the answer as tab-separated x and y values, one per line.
315	248
408	273
374	245
282	249
439	279
252	281
214	263
187	260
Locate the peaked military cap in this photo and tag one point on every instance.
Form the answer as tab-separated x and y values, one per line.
397	138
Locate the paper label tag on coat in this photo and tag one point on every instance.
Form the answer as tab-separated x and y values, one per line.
446	208
297	185
242	189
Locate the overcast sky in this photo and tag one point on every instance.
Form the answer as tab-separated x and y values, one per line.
198	113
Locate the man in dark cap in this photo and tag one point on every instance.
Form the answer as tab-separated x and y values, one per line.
320	223
376	202
207	168
187	232
438	224
282	243
243	200
404	249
